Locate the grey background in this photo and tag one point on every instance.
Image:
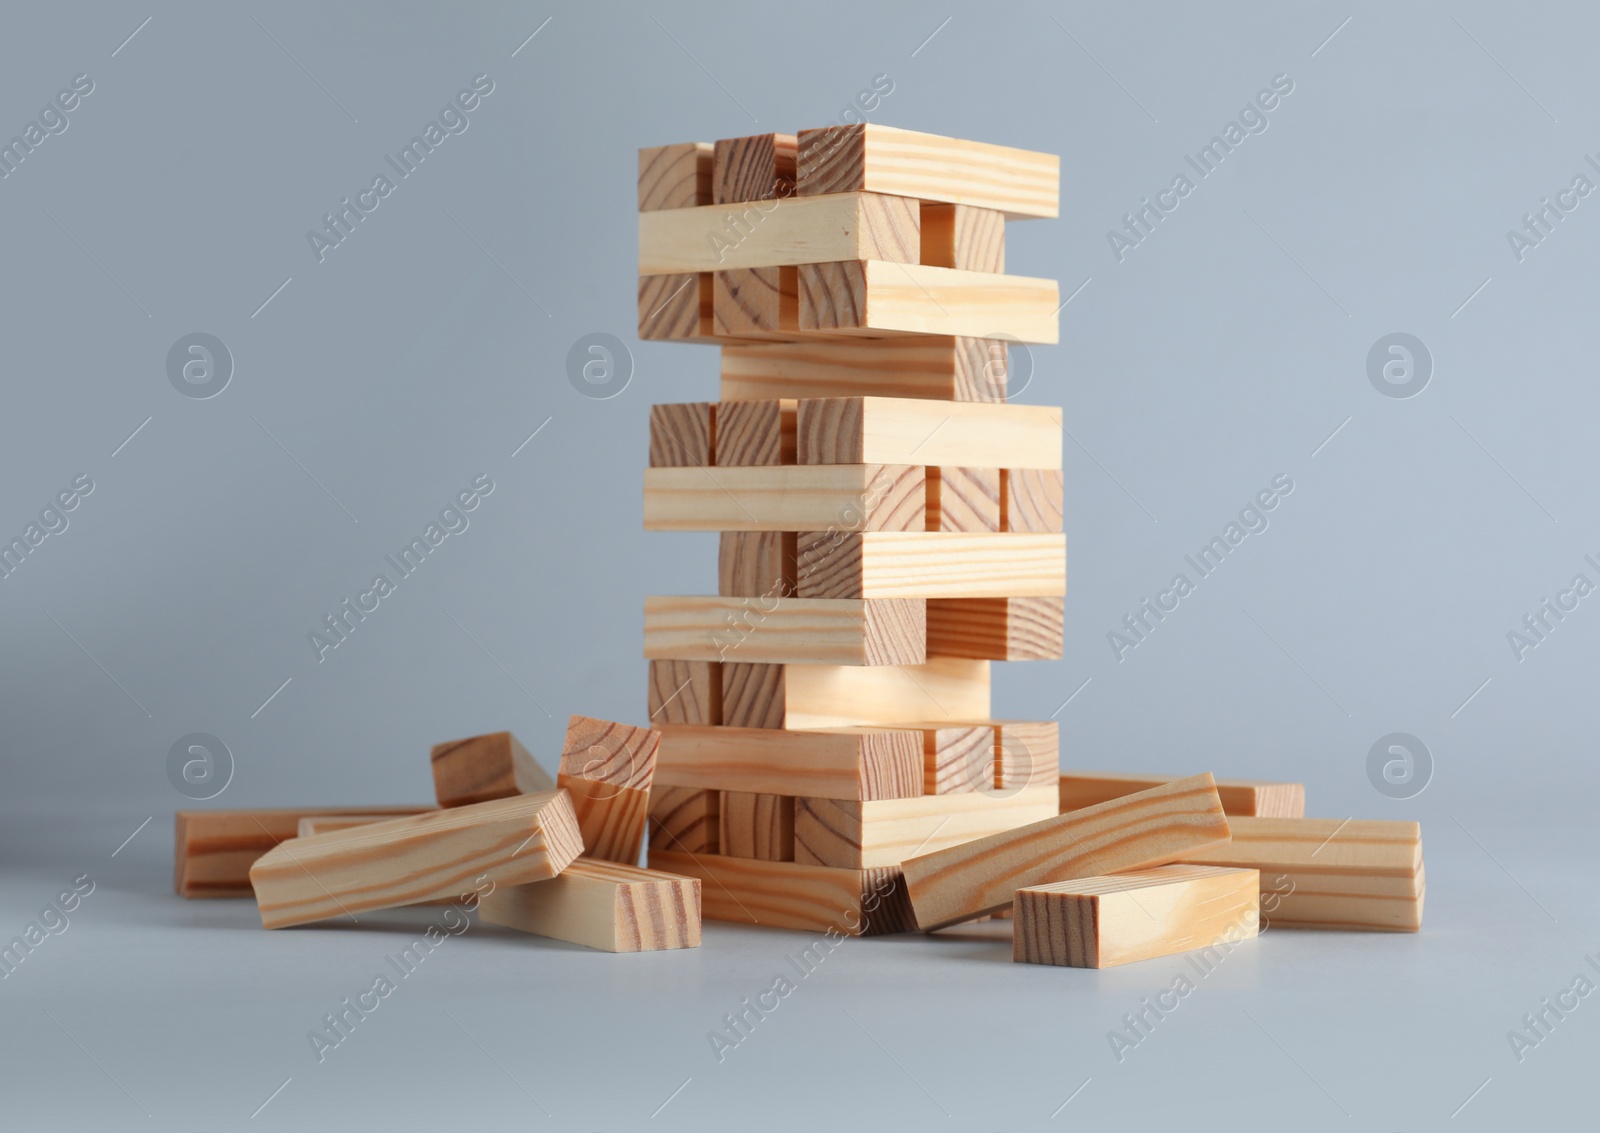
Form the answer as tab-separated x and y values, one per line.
430	345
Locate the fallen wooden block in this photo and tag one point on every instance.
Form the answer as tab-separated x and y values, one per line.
852	834
607	768
846	763
785	233
873	298
995	629
402	861
945	689
955	236
214	849
756	433
1330	873
962	499
683	435
883	159
675	176
685	819
480	768
934	367
787	630
311	825
1030	499
603	905
757	826
854	902
930	564
685	692
754	168
1240	797
863	497
1164	824
905	430
1100	922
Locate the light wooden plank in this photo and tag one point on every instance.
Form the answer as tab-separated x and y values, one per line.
1164	824
855	902
846	763
756	564
213	850
675	176
402	861
479	768
865	497
685	692
854	834
685	819
956	236
602	905
940	368
786	630
754	825
900	430
1101	922
756	432
958	759
607	768
313	824
1240	797
683	435
676	308
873	298
996	629
947	689
754	168
1030	499
930	564
962	499
784	233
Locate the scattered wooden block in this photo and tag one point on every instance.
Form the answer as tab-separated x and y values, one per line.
930	564
685	692
786	630
996	629
855	902
882	159
1240	797
852	834
755	302
607	768
214	849
956	236
402	861
757	826
685	819
961	499
878	297
756	168
934	367
756	432
868	497
683	435
675	176
834	696
845	763
958	759
901	430
782	233
754	564
676	308
1356	874
1100	922
603	905
1164	824
479	768
310	825
1030	499
1027	753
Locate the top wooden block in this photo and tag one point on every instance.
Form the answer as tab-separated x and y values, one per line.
881	159
675	177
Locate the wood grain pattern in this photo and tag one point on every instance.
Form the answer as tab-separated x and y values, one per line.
1027	754
755	564
774	630
756	432
402	861
313	824
962	499
1030	499
607	768
754	168
853	834
685	692
878	297
479	768
759	826
856	902
1164	824
685	819
780	233
884	159
929	564
852	497
1257	798
845	763
213	850
1101	922
755	302
896	430
958	759
754	696
683	435
602	905
957	236
945	690
675	176
997	629
676	308
935	367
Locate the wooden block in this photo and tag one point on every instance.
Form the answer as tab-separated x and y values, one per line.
604	905
1240	797
402	861
878	297
997	629
854	497
783	233
685	692
479	768
883	159
1027	754
958	759
956	236
759	826
934	367
850	834
1168	823
754	564
1100	922
961	499
929	564
786	630
834	696
1330	873
756	168
676	308
312	824
756	432
901	430
607	768
844	763
755	303
1030	499
214	849
676	176
855	902
685	819
683	435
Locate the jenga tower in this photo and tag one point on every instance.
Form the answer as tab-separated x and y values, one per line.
889	525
